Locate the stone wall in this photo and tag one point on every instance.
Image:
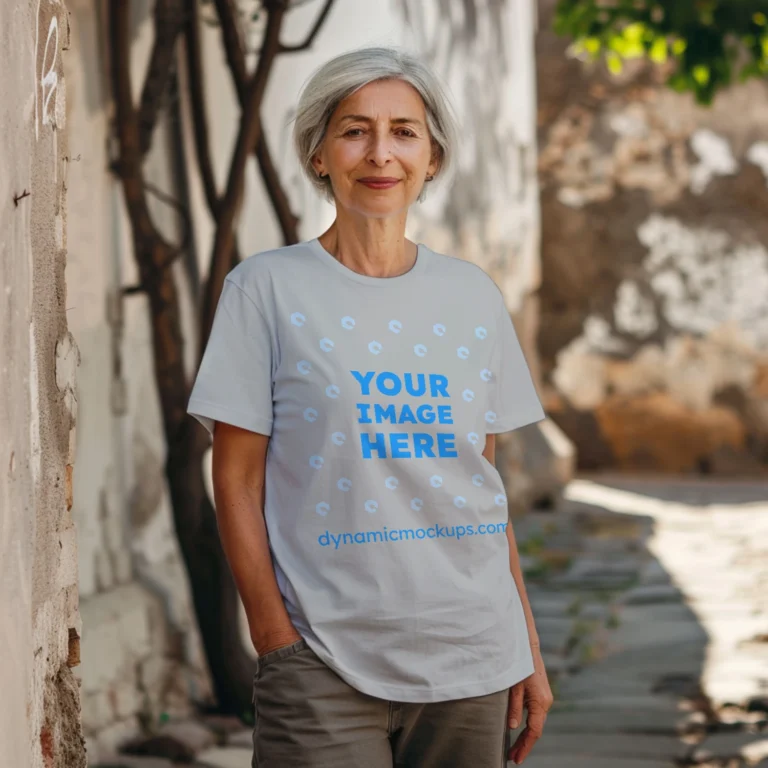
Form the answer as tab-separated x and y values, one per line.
653	331
39	621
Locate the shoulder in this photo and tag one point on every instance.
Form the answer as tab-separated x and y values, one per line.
253	272
472	277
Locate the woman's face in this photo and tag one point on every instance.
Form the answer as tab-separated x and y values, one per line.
377	149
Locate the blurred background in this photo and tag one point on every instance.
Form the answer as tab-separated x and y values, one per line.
613	180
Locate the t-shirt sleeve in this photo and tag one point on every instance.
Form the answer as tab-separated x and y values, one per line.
234	381
513	397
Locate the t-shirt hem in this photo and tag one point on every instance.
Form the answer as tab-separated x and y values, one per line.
207	413
518	671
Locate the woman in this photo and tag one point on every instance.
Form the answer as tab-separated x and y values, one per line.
354	385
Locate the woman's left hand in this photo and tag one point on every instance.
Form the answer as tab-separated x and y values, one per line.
535	695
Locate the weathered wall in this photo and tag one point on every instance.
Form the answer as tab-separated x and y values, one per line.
39	622
653	332
141	651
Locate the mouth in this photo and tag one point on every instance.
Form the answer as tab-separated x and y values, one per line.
379	182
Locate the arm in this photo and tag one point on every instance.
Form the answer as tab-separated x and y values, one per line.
514	558
239	463
533	692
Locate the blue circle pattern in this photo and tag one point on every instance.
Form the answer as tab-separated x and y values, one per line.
338	438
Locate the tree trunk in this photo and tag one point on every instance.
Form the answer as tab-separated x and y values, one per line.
213	588
211	582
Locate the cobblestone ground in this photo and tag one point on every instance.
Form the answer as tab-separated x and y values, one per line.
651	599
651	602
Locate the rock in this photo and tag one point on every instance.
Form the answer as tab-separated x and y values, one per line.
549	460
751	747
242	739
222	725
160	746
642	705
657	432
110	740
192	734
581	376
598	573
130	761
536	760
556	664
614	745
225	757
595	612
757	704
552	605
660	593
554	633
654	573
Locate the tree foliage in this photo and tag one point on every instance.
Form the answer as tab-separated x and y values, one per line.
712	43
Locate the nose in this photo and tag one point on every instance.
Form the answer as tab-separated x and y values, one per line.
380	148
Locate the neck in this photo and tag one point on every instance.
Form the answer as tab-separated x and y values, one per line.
373	247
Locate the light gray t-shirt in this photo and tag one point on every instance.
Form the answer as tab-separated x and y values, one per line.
386	522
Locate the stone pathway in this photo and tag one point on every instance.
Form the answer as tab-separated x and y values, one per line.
651	602
665	587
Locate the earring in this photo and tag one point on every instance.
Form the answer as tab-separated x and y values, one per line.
429	178
321	175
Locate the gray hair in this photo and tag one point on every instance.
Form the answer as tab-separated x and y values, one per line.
340	77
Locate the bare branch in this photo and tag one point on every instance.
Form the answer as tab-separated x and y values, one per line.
169	18
152	253
289	222
286	218
195	79
128	166
172	202
233	45
312	33
248	136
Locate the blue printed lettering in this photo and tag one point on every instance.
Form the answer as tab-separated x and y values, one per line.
364	381
445	444
379	445
399	442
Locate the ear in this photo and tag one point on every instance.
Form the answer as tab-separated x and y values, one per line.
434	163
317	164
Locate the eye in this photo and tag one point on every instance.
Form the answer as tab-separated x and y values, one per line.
351	131
408	133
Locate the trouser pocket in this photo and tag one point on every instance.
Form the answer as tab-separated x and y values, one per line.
278	654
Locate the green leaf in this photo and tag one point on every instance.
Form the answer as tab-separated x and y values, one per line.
701	74
615	65
658	52
679	81
617	43
592	45
678	46
634	31
714	42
